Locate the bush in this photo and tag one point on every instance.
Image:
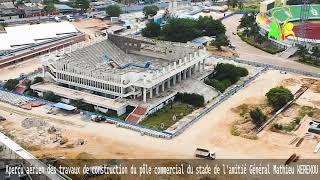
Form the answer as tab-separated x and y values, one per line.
150	10
82	105
50	96
279	96
193	99
257	116
225	75
218	85
37	80
113	10
31	93
228	71
11	84
151	30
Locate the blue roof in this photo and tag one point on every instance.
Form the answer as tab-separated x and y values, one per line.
64	106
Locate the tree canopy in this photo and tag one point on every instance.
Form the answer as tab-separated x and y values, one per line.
11	84
82	4
183	30
225	75
279	96
50	96
49	5
37	80
220	41
193	99
113	10
150	10
151	30
257	116
180	30
210	26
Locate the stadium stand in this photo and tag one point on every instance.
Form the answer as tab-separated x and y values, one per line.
282	14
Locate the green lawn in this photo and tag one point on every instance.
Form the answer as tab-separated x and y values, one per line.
165	115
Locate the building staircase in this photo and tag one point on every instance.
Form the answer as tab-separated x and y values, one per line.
289	52
137	115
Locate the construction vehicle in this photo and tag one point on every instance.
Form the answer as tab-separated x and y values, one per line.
205	154
97	118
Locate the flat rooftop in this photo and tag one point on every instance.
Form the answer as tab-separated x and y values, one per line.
77	95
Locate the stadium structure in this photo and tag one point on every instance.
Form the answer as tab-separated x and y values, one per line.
122	71
305	19
19	43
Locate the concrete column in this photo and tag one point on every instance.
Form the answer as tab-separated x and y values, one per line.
199	66
144	95
169	82
185	74
163	84
157	89
189	71
180	76
151	92
203	64
174	80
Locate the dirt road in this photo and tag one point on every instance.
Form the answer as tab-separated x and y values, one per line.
251	53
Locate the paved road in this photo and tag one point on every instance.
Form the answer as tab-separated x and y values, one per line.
251	53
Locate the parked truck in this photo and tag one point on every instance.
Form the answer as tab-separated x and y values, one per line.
205	154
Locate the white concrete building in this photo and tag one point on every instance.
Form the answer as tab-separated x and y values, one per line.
126	68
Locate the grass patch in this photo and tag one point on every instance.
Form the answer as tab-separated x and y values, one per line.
309	61
235	131
288	127
266	46
162	119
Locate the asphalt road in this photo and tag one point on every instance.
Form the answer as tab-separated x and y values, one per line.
250	53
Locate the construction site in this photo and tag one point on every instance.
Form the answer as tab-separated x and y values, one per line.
64	135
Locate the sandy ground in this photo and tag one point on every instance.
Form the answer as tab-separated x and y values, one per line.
91	26
212	131
250	53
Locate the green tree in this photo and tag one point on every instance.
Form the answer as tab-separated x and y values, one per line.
151	30
193	99
82	105
113	10
210	26
31	93
279	96
11	84
37	80
220	41
82	4
150	10
257	116
241	5
180	30
50	96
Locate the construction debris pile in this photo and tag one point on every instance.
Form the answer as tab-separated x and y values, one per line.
29	123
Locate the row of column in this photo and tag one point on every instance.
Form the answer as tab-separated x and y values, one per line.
173	80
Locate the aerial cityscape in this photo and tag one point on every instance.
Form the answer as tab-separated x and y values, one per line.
161	89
